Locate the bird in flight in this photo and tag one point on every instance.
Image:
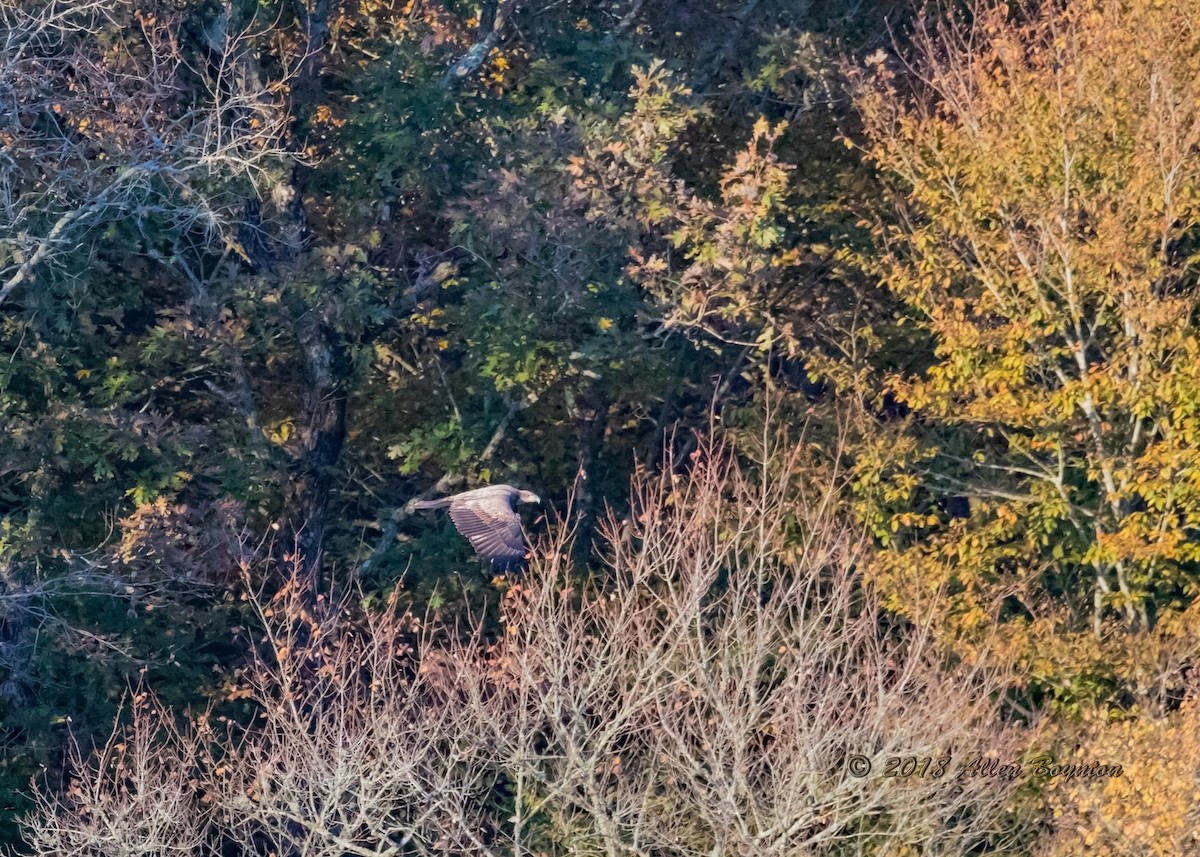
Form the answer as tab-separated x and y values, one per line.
487	517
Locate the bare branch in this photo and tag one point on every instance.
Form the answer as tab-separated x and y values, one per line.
488	38
130	131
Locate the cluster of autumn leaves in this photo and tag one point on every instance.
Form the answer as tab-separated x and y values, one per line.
1045	169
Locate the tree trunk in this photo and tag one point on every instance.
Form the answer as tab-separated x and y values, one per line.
322	436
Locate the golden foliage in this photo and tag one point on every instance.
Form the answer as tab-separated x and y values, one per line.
1046	170
1152	809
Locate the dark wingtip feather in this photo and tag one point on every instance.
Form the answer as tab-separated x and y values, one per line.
507	565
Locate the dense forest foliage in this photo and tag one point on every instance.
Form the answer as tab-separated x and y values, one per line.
851	345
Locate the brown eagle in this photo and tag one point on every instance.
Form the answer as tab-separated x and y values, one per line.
487	517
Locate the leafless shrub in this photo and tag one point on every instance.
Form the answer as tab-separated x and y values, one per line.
354	752
137	795
706	697
703	697
105	118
